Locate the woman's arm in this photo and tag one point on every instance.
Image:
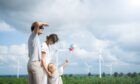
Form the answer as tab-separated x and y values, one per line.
45	66
43	60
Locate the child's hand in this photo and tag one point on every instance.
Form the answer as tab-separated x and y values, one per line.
66	61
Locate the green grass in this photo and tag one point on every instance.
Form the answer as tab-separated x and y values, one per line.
104	80
13	80
79	80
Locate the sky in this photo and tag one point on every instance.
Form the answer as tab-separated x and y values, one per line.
110	25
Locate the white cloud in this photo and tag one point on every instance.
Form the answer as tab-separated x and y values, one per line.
134	4
20	50
5	27
114	25
3	49
10	55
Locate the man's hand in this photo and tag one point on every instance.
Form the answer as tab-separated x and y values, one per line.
43	24
37	26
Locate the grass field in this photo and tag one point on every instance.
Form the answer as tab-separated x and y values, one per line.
79	80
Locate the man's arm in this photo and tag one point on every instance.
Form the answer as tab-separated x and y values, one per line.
37	26
44	23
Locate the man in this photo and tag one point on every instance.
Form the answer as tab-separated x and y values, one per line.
35	70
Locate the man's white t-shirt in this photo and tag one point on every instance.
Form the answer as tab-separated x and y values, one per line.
34	47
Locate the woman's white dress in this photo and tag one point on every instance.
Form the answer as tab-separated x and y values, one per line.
49	59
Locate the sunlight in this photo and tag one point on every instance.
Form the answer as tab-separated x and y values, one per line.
134	4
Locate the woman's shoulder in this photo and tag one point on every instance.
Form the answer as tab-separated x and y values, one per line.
44	44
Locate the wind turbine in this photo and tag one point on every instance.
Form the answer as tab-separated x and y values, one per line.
88	67
18	66
1	61
100	62
1	64
110	68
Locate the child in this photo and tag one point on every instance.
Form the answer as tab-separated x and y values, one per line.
55	74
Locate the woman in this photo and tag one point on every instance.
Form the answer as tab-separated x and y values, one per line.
47	53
